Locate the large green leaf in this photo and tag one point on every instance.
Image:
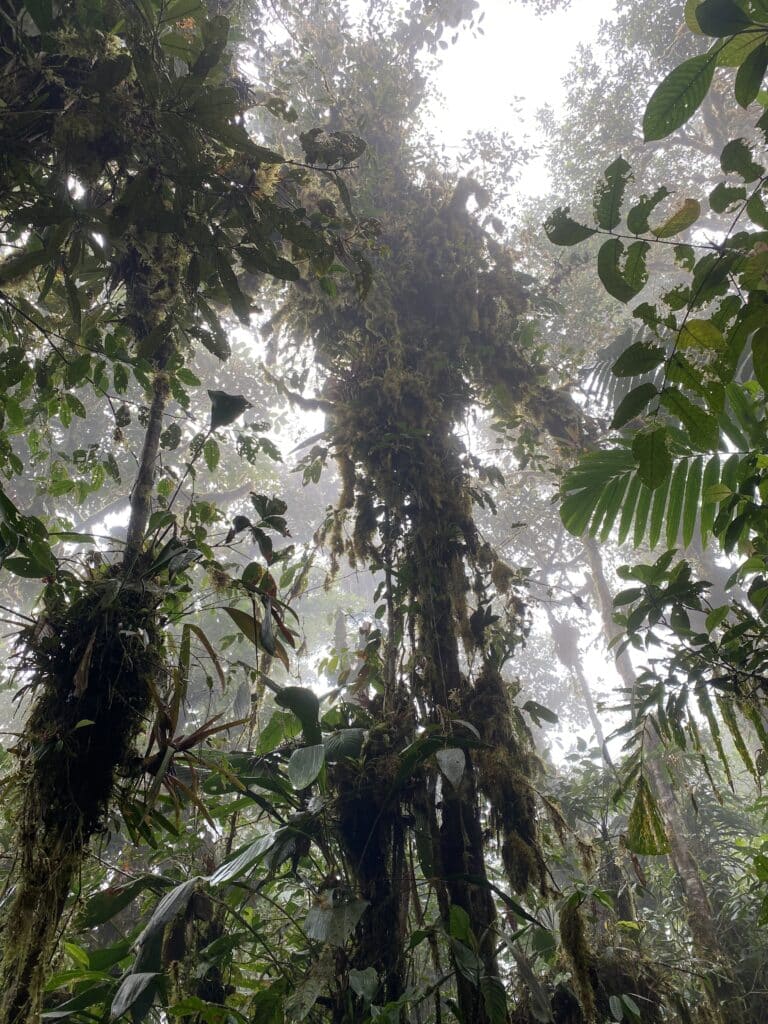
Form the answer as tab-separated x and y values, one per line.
563	230
610	193
622	270
306	706
305	765
633	404
678	97
749	77
639	358
721	18
637	218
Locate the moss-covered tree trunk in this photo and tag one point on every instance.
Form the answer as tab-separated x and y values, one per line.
94	656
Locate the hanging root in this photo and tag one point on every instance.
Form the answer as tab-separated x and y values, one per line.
91	661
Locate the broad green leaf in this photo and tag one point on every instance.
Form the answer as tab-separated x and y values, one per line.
749	77
563	230
721	18
105	903
691	502
622	270
680	220
305	765
306	706
637	218
760	357
651	450
736	158
639	358
168	909
344	743
690	16
494	999
242	861
733	52
724	196
610	193
225	409
701	426
645	828
702	334
633	404
675	503
132	987
678	97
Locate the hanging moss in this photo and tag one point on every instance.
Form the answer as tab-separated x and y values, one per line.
574	941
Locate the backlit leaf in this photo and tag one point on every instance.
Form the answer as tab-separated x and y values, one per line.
678	97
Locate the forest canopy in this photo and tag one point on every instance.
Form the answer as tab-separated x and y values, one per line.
383	546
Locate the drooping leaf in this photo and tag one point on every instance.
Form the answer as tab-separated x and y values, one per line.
168	909
225	409
242	861
131	989
334	924
494	999
678	96
645	829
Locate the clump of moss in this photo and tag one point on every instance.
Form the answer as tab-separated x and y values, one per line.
505	768
574	941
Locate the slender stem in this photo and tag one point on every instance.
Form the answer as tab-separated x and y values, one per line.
141	498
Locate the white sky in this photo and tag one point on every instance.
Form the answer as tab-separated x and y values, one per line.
520	57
